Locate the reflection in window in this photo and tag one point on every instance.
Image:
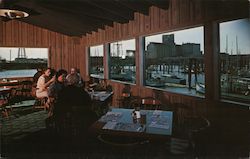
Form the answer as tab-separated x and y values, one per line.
22	62
174	61
235	60
122	61
96	68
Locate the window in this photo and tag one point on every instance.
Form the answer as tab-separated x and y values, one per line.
22	62
122	61
96	68
235	60
174	61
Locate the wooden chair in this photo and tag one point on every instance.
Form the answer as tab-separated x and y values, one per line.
40	103
150	103
5	102
187	127
124	100
118	141
127	147
25	88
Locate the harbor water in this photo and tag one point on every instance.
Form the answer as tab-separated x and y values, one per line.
17	73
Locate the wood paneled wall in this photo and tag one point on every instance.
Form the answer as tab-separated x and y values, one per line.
180	15
66	52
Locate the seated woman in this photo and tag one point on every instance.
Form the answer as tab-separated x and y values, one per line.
42	85
56	87
58	84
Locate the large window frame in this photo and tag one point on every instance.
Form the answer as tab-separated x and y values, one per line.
96	56
225	61
143	59
125	74
19	62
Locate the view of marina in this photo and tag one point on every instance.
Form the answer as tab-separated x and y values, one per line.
21	62
235	60
175	62
17	73
96	61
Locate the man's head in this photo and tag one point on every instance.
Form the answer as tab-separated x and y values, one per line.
73	71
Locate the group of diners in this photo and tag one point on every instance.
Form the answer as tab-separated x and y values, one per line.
49	83
67	100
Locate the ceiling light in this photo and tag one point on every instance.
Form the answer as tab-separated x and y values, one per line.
13	14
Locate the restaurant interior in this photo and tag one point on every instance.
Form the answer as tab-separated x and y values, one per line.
165	79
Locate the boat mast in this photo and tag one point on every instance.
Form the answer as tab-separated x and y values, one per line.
237	53
10	55
226	44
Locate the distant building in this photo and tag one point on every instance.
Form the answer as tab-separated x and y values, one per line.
25	60
169	49
191	50
159	50
168	39
2	61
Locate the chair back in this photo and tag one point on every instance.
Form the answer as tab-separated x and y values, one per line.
150	103
126	95
26	88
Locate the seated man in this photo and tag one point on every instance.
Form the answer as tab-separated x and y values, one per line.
74	75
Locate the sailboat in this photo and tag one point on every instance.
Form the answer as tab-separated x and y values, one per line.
200	88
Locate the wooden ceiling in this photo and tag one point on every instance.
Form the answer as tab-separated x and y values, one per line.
78	17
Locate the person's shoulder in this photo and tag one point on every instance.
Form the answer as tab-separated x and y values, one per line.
53	84
41	78
68	76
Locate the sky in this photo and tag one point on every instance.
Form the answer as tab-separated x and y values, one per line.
30	53
122	46
193	35
231	30
96	50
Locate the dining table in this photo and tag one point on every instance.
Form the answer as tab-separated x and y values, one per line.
150	125
100	101
101	96
9	82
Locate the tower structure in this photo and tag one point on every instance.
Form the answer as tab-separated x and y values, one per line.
21	53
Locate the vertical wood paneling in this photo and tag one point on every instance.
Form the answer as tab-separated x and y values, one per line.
31	35
25	35
8	35
154	14
1	33
176	11
141	23
147	23
184	11
136	22
199	10
163	19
